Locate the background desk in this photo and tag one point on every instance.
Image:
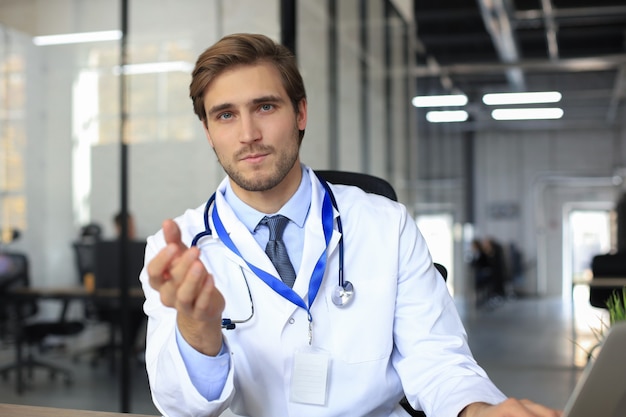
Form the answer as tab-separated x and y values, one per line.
607	282
70	293
29	411
64	294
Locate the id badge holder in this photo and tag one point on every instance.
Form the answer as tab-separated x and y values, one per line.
309	376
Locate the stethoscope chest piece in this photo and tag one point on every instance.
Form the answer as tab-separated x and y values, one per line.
343	294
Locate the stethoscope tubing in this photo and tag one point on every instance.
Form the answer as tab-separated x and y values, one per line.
343	286
208	232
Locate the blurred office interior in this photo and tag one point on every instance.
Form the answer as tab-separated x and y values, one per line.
94	125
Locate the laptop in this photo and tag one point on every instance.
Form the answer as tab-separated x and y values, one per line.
601	389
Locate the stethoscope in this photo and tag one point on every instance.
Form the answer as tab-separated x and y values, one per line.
342	294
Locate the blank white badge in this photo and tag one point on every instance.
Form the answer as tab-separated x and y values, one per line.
309	378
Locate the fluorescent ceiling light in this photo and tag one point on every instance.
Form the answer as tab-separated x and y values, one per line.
522	98
527	114
446	116
440	101
108	35
155	67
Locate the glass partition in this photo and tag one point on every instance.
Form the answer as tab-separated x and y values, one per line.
60	112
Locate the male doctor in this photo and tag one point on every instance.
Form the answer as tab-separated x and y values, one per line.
311	347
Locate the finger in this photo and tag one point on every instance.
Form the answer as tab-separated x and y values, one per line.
167	292
179	268
158	266
540	410
190	287
210	301
172	234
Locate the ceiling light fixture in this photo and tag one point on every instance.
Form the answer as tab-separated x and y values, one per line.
522	98
155	67
83	37
447	116
440	101
527	114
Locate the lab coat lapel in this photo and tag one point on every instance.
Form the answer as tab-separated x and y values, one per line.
314	241
240	235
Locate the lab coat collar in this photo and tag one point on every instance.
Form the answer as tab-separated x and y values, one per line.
314	242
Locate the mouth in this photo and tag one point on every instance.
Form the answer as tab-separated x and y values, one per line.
254	157
253	154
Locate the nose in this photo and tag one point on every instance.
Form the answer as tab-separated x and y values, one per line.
250	131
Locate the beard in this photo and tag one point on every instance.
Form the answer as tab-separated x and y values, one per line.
260	180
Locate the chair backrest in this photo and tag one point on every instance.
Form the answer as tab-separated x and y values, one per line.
13	270
370	184
84	258
14	274
366	182
611	265
107	262
442	270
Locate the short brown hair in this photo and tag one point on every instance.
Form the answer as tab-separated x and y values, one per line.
244	49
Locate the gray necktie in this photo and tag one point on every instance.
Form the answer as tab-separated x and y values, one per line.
276	249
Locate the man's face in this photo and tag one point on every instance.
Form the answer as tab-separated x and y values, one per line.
253	127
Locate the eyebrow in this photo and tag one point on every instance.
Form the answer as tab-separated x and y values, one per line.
263	99
268	98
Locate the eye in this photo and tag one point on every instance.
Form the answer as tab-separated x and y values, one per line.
225	116
267	107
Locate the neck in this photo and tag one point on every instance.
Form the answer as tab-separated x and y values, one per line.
270	201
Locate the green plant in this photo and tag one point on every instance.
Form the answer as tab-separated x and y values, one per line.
616	305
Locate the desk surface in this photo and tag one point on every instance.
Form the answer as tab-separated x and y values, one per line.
601	282
73	292
14	410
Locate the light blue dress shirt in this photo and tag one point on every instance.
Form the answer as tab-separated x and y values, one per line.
211	383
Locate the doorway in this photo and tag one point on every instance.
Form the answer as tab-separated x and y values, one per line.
437	229
587	232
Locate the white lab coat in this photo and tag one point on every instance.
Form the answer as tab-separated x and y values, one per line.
401	334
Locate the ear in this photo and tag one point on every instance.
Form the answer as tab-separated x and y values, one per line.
205	127
301	117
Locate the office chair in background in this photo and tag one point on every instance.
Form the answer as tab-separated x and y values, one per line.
610	265
84	258
106	273
375	185
99	259
31	333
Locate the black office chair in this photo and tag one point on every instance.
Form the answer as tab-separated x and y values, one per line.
609	266
84	257
370	184
106	273
9	278
100	259
31	333
366	182
375	185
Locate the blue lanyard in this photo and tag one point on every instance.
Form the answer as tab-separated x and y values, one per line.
276	284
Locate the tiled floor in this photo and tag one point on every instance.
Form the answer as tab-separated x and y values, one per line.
527	346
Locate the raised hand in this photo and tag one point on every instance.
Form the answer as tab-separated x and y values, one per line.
184	284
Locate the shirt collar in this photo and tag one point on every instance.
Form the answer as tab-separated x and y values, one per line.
296	209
